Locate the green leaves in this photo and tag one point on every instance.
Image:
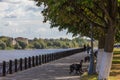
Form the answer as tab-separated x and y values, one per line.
76	15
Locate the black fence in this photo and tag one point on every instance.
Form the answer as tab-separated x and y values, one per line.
28	62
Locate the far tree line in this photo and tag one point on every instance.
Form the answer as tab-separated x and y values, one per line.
39	43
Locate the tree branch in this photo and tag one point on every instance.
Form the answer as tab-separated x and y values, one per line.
93	22
103	8
81	11
102	19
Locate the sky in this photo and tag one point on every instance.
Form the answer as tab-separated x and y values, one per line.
22	18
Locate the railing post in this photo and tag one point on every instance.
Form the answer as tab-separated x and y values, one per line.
36	60
4	69
33	61
25	63
42	59
47	58
29	62
16	63
21	63
39	59
53	56
50	56
10	66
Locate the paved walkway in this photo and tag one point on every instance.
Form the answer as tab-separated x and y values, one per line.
55	70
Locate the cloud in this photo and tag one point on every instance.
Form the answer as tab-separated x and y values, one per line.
23	18
10	23
11	1
18	8
10	16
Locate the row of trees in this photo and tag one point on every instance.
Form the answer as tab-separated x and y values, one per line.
7	43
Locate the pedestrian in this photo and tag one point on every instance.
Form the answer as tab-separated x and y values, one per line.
88	48
84	47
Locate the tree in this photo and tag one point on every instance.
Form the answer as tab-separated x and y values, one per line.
22	44
17	46
2	45
78	14
37	45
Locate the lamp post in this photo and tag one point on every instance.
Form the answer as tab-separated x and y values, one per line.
91	69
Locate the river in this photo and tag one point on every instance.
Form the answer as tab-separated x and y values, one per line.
6	55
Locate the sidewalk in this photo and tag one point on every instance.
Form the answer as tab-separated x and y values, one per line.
55	70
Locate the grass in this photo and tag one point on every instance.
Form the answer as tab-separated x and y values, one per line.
115	70
116	50
85	76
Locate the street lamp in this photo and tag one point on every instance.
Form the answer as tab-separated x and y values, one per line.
91	69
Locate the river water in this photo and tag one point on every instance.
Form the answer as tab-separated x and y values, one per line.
6	55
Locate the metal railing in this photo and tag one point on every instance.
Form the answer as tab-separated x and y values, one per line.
28	62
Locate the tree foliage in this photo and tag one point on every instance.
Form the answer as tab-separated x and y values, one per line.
43	43
102	17
22	44
77	15
17	46
2	45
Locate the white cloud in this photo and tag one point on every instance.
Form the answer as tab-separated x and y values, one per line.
10	23
23	18
41	29
18	8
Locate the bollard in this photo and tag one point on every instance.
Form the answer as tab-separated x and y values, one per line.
42	59
16	63
53	57
36	60
29	62
10	66
21	62
4	69
50	57
33	61
45	58
39	59
25	63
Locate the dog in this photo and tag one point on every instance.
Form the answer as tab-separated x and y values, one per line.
76	67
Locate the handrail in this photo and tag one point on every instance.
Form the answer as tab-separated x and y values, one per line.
29	62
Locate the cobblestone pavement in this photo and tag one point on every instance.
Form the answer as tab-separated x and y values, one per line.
55	70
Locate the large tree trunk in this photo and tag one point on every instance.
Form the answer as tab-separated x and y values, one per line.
105	66
100	52
99	58
107	55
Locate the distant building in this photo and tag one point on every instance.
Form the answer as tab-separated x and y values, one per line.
12	41
22	39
